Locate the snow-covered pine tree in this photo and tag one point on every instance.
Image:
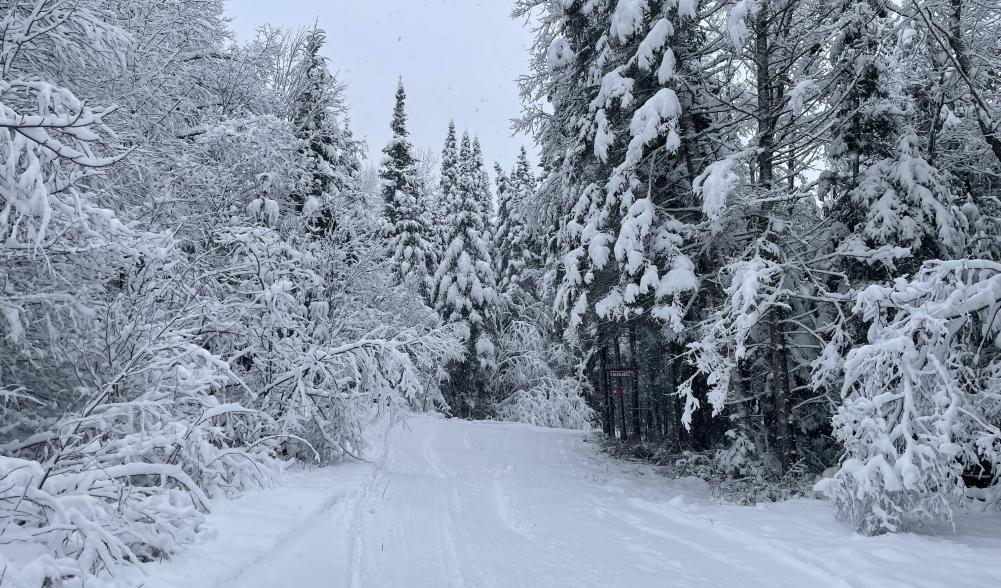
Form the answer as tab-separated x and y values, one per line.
861	96
450	162
517	252
897	210
482	188
318	113
448	184
527	247
503	185
958	122
621	243
464	283
407	225
618	174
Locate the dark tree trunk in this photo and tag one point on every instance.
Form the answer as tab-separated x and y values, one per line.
637	428
770	98
781	393
673	403
607	400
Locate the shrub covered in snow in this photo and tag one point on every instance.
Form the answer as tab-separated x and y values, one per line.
536	381
550	403
192	289
921	399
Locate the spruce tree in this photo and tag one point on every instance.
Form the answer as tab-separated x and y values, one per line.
894	208
482	181
526	248
407	225
332	153
516	250
500	239
448	184
464	285
450	164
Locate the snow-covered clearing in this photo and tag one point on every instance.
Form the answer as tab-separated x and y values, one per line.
457	503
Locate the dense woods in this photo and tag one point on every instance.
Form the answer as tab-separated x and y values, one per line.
775	224
761	244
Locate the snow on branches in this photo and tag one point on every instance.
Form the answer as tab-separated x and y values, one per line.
619	243
181	317
921	400
726	177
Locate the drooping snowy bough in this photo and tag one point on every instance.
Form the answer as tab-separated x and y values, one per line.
192	288
922	400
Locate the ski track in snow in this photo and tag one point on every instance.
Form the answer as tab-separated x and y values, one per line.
470	505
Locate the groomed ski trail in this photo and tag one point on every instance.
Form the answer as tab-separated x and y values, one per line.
470	504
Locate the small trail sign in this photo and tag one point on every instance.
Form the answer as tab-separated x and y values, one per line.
621	373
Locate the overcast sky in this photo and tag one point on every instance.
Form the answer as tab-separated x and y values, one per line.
458	58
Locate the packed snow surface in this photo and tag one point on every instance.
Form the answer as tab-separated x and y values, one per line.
457	503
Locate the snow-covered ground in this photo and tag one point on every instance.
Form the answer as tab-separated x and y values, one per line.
455	503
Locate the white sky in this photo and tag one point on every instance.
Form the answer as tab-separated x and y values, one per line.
458	58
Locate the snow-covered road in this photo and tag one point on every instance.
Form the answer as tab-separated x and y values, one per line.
455	503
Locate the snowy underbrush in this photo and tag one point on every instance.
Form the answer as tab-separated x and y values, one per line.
548	391
193	380
128	476
555	403
122	483
65	525
749	483
921	399
735	473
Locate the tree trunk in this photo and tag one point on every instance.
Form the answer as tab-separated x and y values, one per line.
673	403
607	400
622	414
768	104
765	114
781	392
637	428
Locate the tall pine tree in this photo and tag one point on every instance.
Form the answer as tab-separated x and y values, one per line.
464	285
504	202
448	184
516	251
482	188
320	118
407	225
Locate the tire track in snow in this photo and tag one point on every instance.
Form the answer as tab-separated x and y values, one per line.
453	566
356	530
366	503
451	555
287	541
501	494
406	512
494	533
434	464
486	540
